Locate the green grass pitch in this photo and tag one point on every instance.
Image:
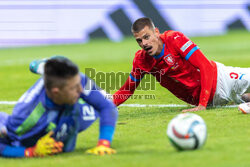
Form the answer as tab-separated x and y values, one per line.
140	137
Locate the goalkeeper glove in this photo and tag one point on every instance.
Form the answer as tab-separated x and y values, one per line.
46	145
102	148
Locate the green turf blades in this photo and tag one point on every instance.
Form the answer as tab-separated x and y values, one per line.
140	138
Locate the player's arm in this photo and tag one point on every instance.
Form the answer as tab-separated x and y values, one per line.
129	86
207	75
46	145
193	54
98	98
125	91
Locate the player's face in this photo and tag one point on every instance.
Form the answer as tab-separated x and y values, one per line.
149	40
70	92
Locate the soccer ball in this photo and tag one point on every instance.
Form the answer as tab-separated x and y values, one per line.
187	131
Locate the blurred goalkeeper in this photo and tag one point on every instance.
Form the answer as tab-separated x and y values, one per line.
48	117
178	64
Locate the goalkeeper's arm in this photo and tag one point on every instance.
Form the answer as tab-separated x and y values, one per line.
108	117
46	145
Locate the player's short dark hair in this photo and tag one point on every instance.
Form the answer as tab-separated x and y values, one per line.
57	70
140	23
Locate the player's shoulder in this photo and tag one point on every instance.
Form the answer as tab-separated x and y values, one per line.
83	76
85	80
171	35
143	61
32	93
140	54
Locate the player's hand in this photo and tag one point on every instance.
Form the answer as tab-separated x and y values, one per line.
198	108
102	148
46	145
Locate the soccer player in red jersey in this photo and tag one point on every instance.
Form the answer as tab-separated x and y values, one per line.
178	64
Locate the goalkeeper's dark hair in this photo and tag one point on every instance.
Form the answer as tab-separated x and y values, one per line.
140	23
57	70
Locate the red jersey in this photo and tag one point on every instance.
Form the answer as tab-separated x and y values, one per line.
180	67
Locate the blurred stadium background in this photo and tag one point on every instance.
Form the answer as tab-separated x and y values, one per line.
36	22
96	34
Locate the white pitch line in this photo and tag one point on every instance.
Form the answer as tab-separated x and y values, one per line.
134	105
8	102
153	105
169	105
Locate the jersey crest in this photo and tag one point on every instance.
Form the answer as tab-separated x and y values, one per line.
169	59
